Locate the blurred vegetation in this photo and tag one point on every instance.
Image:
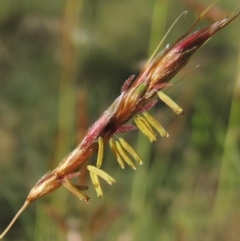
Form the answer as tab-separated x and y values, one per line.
61	64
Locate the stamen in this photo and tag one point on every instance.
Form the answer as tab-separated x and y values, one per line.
96	184
100	152
168	101
130	150
156	125
115	152
101	174
143	119
125	156
74	190
81	187
143	127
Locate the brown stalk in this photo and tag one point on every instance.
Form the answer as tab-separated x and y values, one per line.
136	97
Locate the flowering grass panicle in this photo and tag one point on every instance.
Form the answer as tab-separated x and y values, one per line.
136	98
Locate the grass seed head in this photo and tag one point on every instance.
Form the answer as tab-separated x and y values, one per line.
136	95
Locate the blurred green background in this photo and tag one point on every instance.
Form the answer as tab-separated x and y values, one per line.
61	64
